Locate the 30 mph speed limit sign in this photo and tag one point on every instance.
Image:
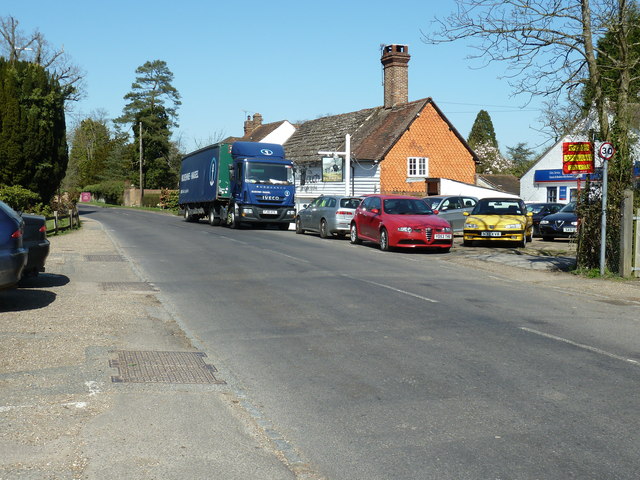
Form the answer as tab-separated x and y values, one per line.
606	151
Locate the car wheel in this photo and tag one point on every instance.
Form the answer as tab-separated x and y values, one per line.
384	240
353	235
523	243
323	229
187	215
299	226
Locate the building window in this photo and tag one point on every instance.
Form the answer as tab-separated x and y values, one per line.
552	194
573	195
417	167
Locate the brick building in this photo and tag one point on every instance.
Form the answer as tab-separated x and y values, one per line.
400	147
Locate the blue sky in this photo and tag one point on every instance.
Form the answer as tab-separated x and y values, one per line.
288	60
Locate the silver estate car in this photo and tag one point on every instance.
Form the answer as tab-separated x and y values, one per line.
452	208
328	215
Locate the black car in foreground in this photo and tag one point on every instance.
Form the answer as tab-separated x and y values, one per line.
35	241
563	224
541	210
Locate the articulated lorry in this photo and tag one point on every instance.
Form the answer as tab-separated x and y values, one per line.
243	182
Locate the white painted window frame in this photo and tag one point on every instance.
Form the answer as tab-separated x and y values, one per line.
417	167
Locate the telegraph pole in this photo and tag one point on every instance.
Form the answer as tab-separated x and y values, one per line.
141	179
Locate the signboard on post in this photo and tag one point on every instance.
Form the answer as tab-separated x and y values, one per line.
332	169
577	157
606	151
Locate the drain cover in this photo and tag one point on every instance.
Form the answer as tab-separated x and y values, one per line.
128	286
104	258
162	367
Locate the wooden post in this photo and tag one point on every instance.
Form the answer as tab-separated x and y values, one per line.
626	234
55	222
636	256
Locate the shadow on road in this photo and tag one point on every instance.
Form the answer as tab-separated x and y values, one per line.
44	280
28	296
18	300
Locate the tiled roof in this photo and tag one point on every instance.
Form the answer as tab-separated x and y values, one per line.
374	132
506	183
257	135
262	131
326	133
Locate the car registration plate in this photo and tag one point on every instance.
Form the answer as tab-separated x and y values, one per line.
569	229
490	234
269	212
443	236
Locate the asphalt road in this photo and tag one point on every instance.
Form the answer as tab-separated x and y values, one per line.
398	365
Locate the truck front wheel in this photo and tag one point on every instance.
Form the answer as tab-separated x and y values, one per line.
187	215
232	221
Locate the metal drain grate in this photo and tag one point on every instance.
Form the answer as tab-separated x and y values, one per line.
162	367
128	286
104	258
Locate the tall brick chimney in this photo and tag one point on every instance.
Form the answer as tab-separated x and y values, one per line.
395	60
251	124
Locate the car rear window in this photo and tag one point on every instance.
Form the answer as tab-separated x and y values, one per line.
350	202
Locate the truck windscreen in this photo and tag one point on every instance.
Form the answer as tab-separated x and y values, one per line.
269	173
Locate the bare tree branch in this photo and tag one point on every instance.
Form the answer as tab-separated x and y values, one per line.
17	46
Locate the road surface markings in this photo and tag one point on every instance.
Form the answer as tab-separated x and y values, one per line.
404	292
297	259
583	346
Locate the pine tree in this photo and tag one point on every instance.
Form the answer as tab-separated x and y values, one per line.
153	101
482	139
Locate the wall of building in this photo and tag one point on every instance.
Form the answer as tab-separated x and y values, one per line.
365	181
451	187
537	191
429	136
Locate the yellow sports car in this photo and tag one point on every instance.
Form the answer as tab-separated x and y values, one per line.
503	219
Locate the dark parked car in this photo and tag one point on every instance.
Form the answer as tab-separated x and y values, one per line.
400	221
541	210
328	215
13	255
452	208
563	224
35	241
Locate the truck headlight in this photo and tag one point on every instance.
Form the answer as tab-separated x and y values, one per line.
291	212
246	211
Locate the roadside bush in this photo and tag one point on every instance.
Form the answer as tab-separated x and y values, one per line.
65	202
151	199
110	192
169	199
20	199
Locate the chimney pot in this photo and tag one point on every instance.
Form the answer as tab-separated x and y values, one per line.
395	60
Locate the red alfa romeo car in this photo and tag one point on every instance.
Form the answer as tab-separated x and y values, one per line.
400	221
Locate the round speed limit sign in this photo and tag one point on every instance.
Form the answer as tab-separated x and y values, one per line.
606	151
